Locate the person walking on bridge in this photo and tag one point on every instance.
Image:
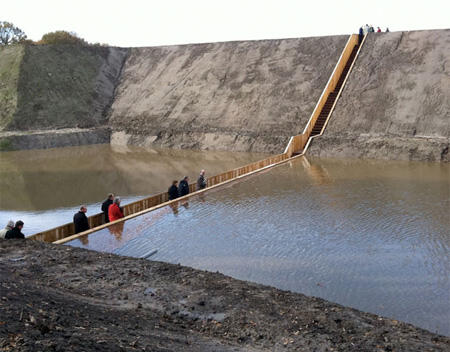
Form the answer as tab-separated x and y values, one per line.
201	182
16	232
115	212
105	206
183	189
80	220
9	226
173	191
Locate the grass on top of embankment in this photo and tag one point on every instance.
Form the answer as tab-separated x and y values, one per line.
10	60
57	87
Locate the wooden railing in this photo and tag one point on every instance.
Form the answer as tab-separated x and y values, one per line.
332	82
296	146
96	221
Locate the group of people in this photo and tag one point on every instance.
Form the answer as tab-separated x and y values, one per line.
111	211
363	30
175	191
12	230
110	207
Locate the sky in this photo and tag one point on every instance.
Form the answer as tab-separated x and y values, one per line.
149	23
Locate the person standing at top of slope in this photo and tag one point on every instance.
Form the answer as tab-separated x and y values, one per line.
16	232
80	220
9	226
115	212
366	29
201	182
378	30
105	206
183	188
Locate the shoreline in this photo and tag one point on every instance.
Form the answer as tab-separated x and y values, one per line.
55	297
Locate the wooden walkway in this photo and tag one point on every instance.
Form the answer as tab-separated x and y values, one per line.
296	147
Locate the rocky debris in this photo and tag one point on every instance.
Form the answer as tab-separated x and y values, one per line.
58	298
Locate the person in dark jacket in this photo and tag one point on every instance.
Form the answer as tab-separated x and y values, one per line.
201	182
16	232
183	189
105	206
173	191
80	220
361	35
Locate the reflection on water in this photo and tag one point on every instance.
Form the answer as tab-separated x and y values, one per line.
44	188
371	235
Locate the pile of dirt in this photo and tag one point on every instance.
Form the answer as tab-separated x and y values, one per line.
236	96
396	102
57	298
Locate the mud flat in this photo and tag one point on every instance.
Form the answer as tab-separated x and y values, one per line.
57	298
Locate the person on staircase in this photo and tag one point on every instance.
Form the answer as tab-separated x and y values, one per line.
183	188
105	206
115	212
173	191
80	220
360	35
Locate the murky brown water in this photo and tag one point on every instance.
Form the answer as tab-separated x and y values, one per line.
44	188
370	235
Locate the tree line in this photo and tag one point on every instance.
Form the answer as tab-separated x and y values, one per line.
10	34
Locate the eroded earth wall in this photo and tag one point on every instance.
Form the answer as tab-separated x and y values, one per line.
237	96
46	88
396	104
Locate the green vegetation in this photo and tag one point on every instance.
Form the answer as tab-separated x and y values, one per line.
57	87
5	144
61	37
10	60
10	34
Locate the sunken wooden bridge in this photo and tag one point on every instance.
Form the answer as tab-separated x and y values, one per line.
296	147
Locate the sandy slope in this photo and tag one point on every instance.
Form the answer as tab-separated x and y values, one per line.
396	104
232	96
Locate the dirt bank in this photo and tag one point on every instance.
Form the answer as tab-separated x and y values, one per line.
237	96
57	298
395	104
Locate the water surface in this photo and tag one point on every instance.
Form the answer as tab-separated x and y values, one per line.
44	188
371	235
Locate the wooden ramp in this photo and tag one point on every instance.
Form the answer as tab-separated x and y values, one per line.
296	147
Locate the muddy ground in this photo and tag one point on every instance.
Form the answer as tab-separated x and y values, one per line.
58	298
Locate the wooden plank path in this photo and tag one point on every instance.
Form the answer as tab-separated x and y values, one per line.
296	147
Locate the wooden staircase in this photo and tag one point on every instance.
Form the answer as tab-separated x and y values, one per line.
330	102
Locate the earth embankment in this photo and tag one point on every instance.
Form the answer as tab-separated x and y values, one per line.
396	103
58	298
237	96
51	87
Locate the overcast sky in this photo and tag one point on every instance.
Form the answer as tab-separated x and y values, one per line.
147	23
